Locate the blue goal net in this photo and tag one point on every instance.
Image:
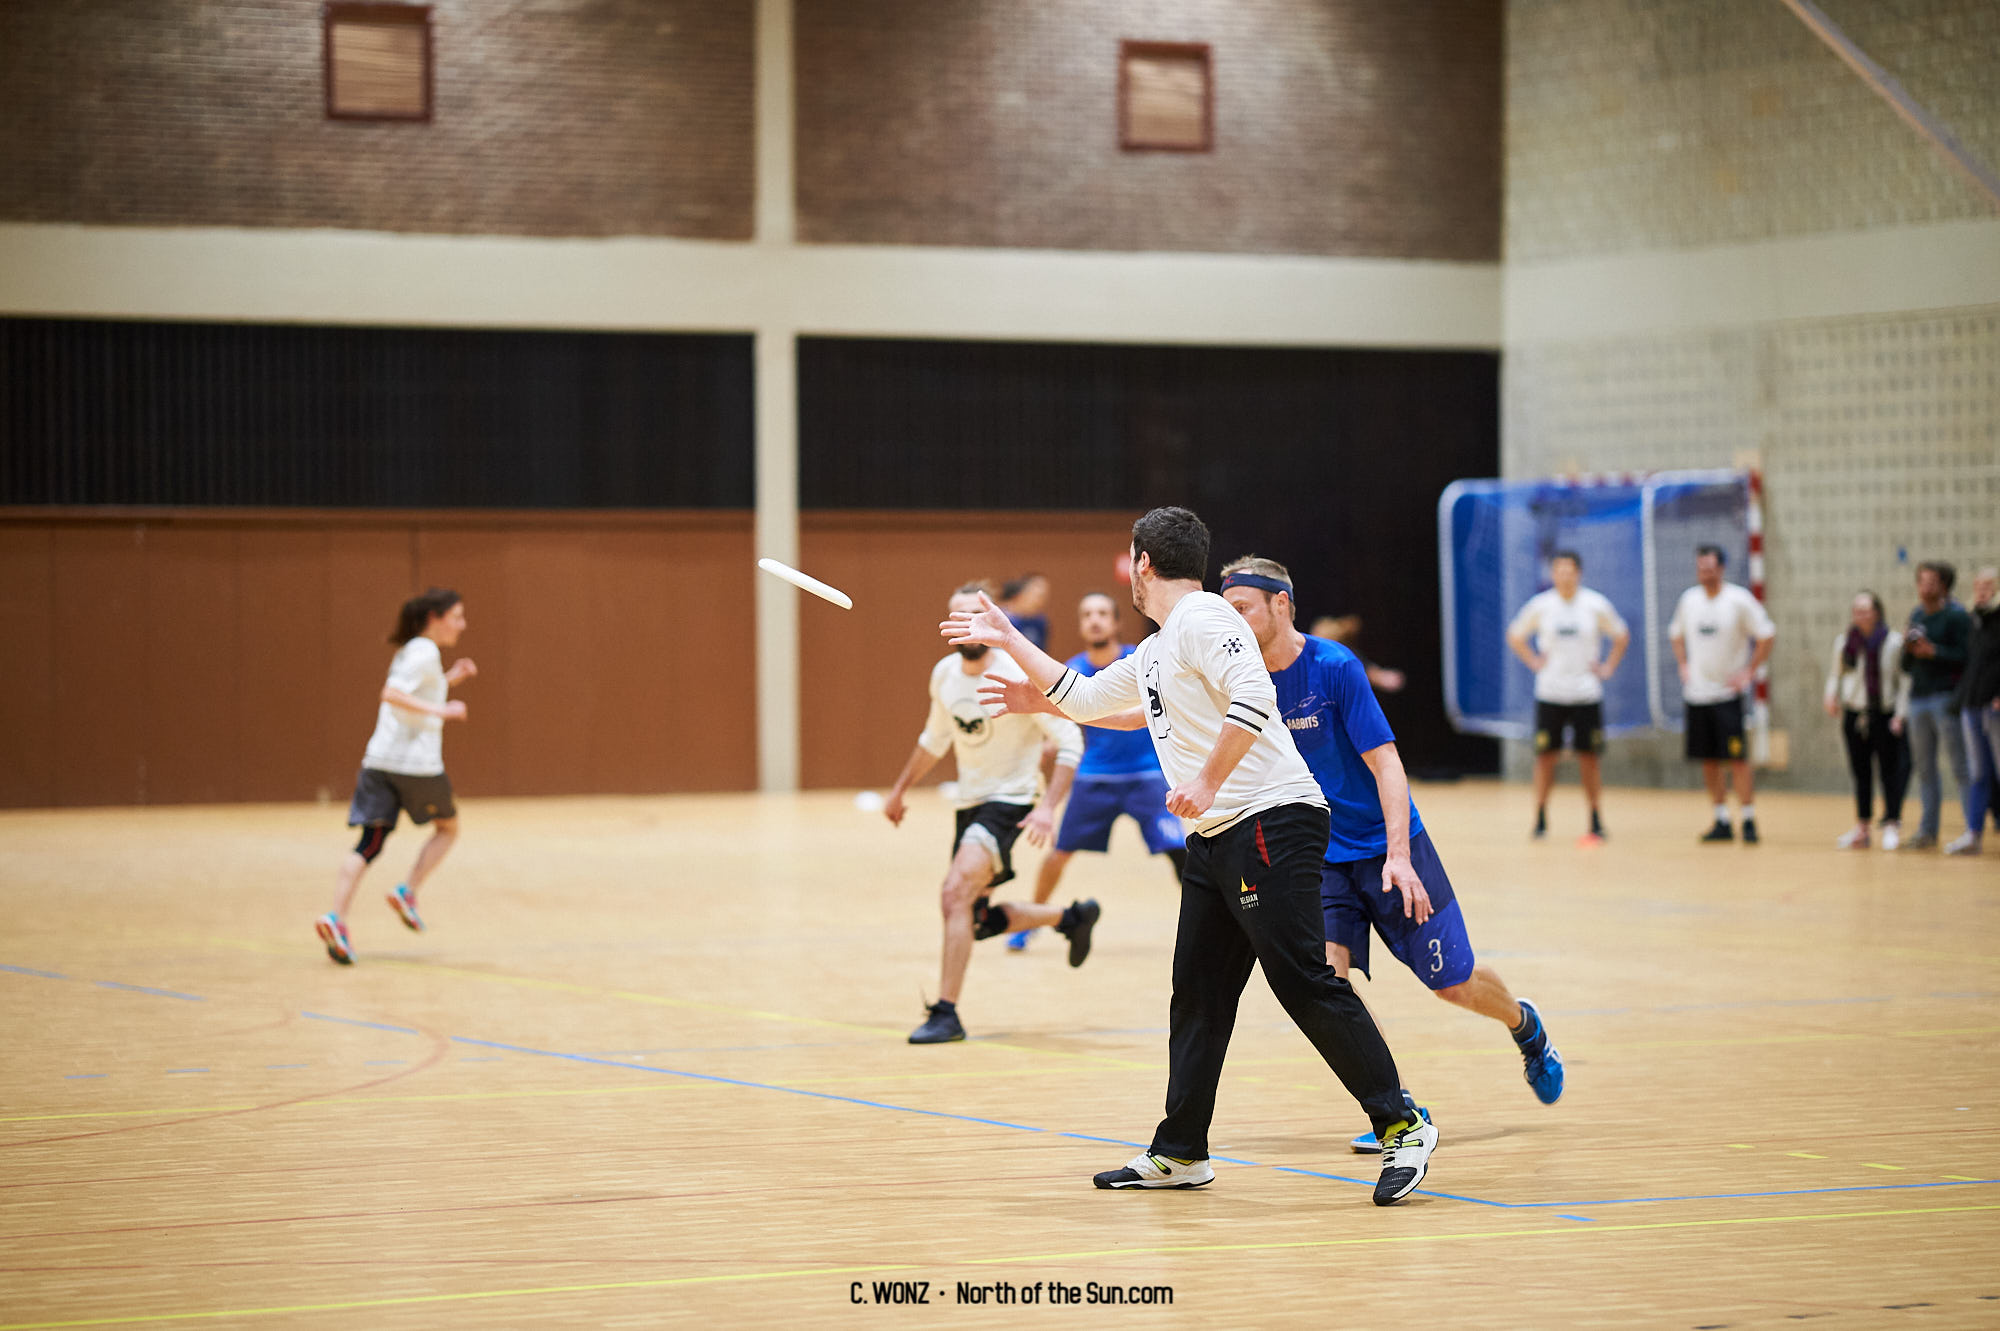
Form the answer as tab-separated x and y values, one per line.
1636	538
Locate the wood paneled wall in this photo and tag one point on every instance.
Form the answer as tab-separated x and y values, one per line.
151	657
865	670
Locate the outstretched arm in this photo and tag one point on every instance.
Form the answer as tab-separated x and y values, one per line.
1113	689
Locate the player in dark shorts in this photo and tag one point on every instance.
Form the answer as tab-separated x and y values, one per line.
1366	884
1119	776
999	769
403	768
1561	634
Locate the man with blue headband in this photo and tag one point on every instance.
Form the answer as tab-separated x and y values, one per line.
1381	871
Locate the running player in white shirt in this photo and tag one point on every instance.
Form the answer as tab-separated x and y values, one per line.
1250	891
403	768
1560	634
1721	635
999	767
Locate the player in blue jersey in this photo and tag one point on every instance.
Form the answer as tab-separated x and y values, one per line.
1381	870
1118	777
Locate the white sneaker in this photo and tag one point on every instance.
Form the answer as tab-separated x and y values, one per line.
1855	839
1965	845
1146	1170
1892	836
1406	1157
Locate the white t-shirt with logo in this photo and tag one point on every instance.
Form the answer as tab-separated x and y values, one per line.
405	742
1570	636
1718	632
1200	672
999	758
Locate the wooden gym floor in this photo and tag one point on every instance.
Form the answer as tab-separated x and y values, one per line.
648	1066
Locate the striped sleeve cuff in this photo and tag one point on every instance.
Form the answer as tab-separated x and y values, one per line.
1061	688
1243	714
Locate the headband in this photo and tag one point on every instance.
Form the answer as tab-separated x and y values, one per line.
1242	578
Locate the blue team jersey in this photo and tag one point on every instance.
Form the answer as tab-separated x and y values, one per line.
1331	711
1113	753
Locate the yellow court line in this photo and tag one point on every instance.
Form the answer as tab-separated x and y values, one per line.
368	1100
670	1282
128	1113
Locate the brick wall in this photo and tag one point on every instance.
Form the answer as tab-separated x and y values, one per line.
558	117
1695	122
1341	128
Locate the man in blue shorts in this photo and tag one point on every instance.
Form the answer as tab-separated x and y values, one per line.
1119	775
1381	869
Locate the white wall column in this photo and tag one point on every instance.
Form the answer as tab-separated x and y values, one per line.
777	461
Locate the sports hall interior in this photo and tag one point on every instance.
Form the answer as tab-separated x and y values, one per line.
579	307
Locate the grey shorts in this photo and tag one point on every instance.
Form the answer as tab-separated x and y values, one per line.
380	796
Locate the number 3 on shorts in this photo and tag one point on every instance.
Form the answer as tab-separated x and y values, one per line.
1437	955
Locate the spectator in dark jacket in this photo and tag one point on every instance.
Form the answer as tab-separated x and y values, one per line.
1979	707
1934	654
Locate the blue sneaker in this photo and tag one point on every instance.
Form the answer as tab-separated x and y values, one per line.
1018	942
405	907
1541	1064
1369	1144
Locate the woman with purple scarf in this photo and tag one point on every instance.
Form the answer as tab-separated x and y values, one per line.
1870	693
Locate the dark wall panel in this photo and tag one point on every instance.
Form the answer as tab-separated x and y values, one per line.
109	412
1330	461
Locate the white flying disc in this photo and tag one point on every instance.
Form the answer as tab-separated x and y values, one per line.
808	584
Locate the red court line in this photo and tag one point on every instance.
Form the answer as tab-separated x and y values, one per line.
439	1045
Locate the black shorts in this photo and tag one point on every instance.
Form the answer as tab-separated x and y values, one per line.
1575	726
1000	821
1715	730
380	796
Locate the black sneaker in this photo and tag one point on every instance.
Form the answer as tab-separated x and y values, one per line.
1406	1158
1084	919
1749	831
1720	832
941	1025
1541	824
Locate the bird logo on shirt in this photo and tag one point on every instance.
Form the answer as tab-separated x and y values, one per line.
974	727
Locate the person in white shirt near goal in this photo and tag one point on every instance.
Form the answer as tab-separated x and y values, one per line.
1560	634
1721	636
403	768
999	768
1250	894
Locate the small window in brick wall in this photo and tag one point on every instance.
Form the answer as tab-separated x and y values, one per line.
1166	97
378	61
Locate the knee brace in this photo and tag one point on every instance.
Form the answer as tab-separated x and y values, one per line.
988	920
370	844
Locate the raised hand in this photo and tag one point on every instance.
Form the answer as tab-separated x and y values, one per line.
1001	695
987	626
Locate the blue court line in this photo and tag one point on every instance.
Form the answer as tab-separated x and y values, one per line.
84	1076
30	970
288	1065
149	989
1584	1219
1024	1127
371	1025
385	1062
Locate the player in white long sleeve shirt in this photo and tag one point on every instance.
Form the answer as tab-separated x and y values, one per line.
999	770
1250	892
